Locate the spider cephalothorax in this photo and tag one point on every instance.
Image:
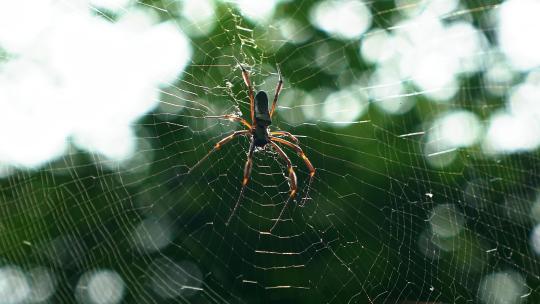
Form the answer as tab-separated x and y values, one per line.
260	136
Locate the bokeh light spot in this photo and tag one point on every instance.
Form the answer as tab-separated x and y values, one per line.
73	89
345	106
14	287
502	288
198	17
170	279
100	287
456	129
517	19
260	11
346	19
43	284
152	235
446	220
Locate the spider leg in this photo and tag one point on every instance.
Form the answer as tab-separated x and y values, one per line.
304	158
232	118
290	170
247	81
278	89
300	153
292	179
284	133
217	146
247	172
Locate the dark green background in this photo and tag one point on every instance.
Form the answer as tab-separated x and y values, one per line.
357	238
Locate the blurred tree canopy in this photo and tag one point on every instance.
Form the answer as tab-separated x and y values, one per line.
383	221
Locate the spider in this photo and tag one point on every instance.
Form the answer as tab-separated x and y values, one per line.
260	137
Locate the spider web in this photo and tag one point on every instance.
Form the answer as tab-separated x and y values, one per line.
395	213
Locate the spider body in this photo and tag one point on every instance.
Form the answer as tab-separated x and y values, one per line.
260	136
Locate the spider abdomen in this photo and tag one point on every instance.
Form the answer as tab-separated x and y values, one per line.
262	116
262	120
